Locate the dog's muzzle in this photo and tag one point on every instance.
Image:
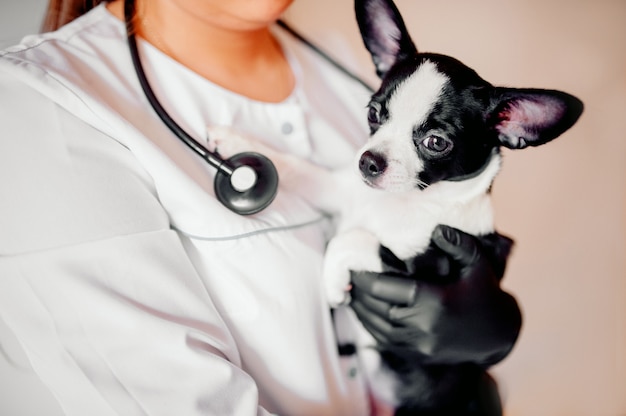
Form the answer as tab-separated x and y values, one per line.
372	165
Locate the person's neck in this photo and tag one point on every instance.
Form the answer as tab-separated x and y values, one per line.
247	62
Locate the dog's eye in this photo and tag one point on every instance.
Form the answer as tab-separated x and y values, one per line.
437	145
373	114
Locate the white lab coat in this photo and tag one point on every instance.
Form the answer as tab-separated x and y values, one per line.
129	287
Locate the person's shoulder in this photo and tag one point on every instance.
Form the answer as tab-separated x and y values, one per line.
82	37
84	58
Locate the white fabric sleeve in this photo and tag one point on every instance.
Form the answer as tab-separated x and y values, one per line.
96	288
124	326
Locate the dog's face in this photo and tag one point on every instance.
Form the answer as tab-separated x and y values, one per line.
434	119
427	125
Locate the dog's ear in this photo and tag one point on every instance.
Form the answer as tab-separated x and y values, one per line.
384	33
531	117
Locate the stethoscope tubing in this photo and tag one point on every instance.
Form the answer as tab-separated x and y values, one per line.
255	195
196	146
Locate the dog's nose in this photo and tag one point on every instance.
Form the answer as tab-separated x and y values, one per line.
372	164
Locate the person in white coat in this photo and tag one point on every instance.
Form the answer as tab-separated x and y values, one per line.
130	288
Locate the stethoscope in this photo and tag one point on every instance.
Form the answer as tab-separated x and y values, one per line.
246	183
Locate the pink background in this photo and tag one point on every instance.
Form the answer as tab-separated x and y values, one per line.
564	203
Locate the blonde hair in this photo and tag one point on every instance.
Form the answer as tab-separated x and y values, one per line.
60	12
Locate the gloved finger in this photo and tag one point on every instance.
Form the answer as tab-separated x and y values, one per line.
386	331
374	305
386	286
464	248
377	326
389	312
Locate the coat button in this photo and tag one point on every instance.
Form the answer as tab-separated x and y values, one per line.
286	128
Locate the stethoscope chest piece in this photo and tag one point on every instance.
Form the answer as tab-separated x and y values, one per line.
250	187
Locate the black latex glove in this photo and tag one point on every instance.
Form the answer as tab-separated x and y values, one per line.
452	312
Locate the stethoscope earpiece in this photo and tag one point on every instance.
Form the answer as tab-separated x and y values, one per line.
250	186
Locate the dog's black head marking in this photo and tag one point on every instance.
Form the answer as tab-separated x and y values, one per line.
451	117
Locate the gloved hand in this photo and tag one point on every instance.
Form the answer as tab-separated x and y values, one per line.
452	311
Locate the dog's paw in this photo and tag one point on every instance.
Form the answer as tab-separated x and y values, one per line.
355	250
337	287
227	142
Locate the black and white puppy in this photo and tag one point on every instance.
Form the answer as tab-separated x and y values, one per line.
434	151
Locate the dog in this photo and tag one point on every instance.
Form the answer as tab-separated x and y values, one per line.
436	133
